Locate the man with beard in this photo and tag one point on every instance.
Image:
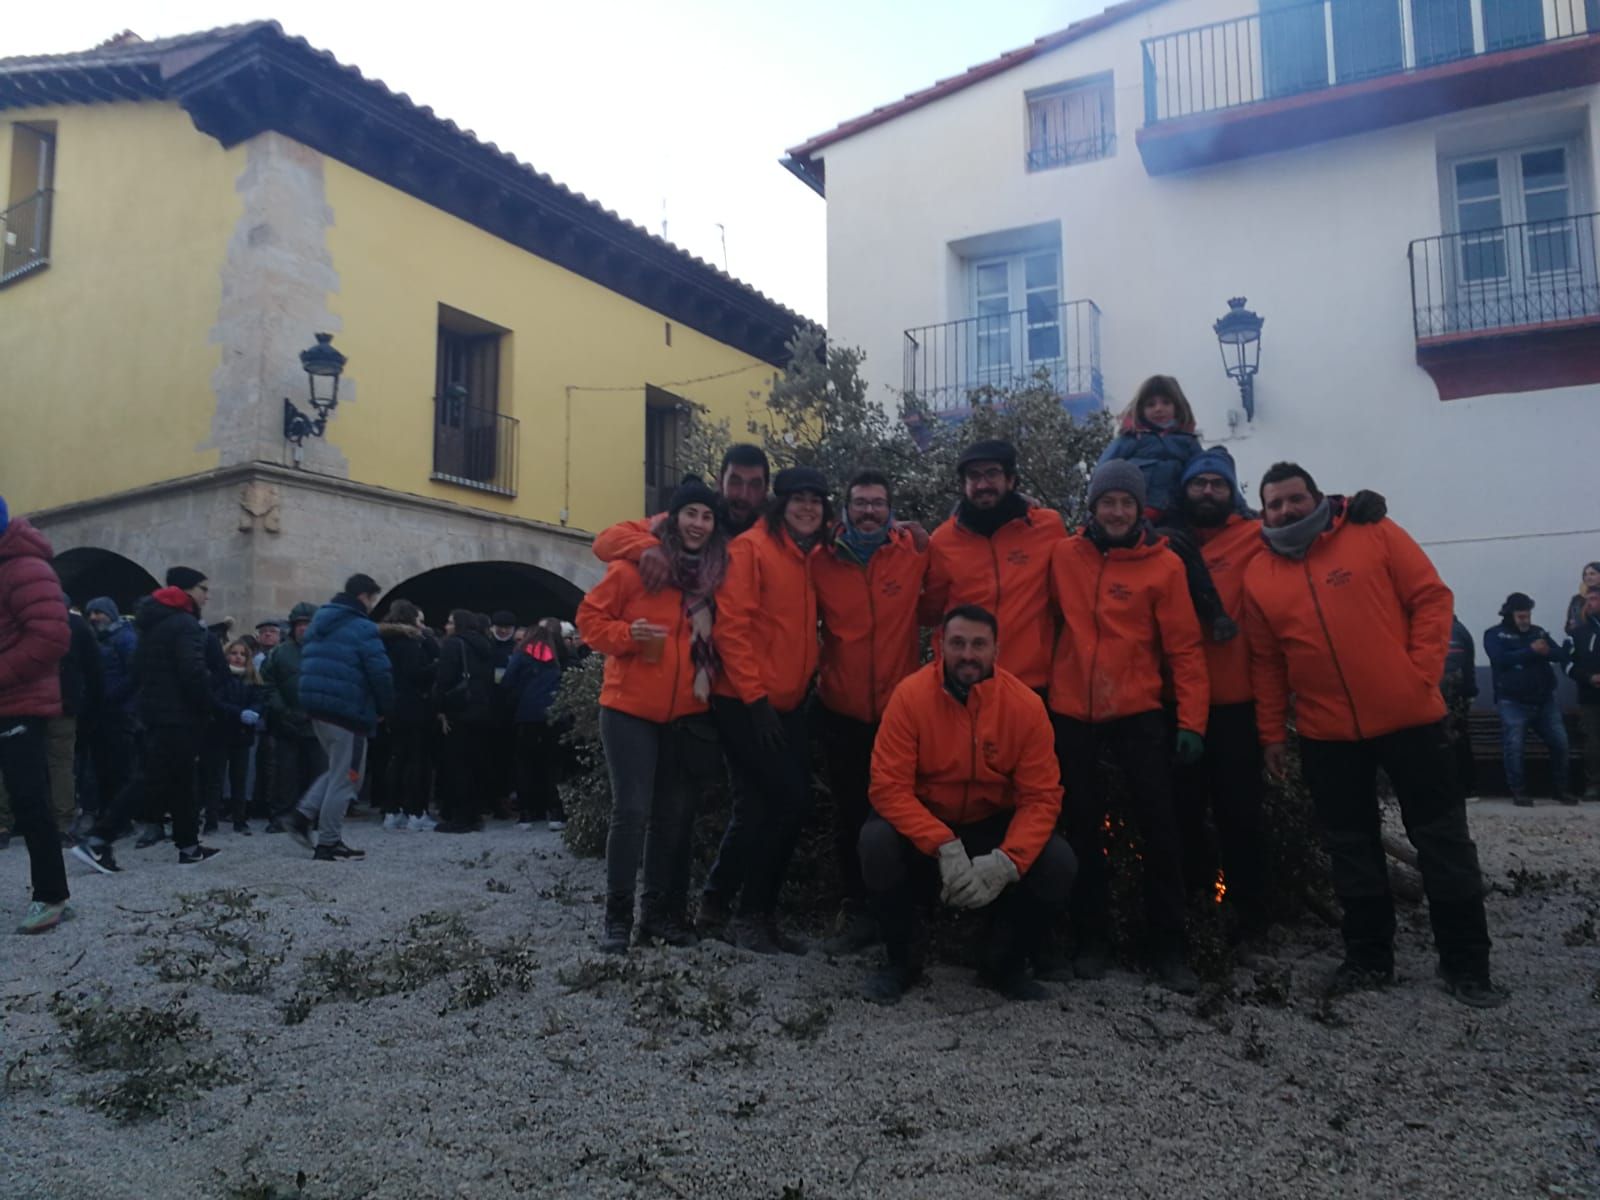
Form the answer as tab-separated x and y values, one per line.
1354	622
966	794
995	553
742	497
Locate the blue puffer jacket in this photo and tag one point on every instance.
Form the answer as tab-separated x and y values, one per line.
344	672
1522	674
1160	457
532	681
117	644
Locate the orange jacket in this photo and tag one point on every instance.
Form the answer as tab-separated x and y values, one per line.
1357	630
659	691
626	540
1228	550
767	620
1006	574
1124	613
869	625
938	763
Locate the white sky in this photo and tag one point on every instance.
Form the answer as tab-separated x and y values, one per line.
651	108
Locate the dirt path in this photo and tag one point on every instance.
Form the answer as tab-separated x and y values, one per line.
434	1022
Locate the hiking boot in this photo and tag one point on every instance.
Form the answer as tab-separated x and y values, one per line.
1351	976
199	854
1015	984
1175	974
887	983
761	935
42	916
618	927
1092	960
1475	991
298	826
714	919
98	857
856	932
1520	800
150	836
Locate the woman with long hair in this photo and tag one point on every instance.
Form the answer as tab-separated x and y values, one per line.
463	696
661	665
767	637
1588	582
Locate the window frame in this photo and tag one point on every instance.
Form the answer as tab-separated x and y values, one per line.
1101	140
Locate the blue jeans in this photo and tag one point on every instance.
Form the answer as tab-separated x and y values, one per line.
1545	720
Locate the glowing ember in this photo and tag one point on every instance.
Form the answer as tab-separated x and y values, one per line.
1220	888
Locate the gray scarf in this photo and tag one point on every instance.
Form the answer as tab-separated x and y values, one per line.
1294	541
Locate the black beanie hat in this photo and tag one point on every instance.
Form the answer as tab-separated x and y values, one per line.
1515	603
184	577
691	490
990	450
799	479
504	618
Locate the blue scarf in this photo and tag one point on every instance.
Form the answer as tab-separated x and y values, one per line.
857	547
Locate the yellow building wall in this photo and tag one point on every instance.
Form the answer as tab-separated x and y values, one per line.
105	355
398	259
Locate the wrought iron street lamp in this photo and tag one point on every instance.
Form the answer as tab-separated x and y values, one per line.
1239	335
323	366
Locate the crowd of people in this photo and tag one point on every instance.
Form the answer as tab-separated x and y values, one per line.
1177	632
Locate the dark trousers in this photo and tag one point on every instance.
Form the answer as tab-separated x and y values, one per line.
847	751
1589	716
171	771
1139	746
265	777
24	769
111	755
296	764
1227	784
410	768
538	750
899	878
223	767
769	809
651	810
464	772
1343	780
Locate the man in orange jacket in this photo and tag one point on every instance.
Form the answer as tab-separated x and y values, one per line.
965	788
868	585
1127	622
1354	621
995	553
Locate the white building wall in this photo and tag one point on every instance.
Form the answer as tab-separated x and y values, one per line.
1501	489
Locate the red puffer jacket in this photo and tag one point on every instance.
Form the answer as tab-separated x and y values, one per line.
34	634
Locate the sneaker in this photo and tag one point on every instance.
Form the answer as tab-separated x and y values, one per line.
98	857
151	835
1350	976
422	823
274	825
555	825
338	852
242	828
198	855
42	916
393	821
1475	991
298	826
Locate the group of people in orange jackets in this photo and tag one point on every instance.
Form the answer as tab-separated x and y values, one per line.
765	624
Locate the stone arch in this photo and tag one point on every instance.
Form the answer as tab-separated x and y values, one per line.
90	571
527	590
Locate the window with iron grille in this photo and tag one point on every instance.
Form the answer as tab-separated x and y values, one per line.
1071	123
25	209
663	443
474	443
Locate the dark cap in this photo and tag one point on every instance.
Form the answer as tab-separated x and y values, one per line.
692	490
991	450
504	618
184	577
799	479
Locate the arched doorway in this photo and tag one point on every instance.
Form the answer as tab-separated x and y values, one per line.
88	571
524	589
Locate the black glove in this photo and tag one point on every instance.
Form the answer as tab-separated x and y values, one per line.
1366	508
766	726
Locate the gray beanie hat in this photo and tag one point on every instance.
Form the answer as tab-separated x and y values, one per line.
1118	475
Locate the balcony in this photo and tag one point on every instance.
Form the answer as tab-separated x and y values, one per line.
1308	72
945	364
25	237
1509	308
474	447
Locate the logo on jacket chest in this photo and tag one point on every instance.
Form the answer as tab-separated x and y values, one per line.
1338	577
892	587
991	753
1019	558
1120	591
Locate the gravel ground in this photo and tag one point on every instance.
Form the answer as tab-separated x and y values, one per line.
535	1066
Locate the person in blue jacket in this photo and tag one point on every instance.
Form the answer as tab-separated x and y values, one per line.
346	686
532	679
111	752
1524	657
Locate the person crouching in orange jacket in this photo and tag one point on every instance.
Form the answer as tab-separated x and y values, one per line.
1126	619
868	582
965	791
767	637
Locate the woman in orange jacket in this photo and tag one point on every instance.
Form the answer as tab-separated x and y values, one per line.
767	636
661	664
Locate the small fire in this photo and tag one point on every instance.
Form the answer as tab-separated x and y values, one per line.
1220	888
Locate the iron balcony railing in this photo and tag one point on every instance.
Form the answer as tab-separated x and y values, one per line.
1289	49
945	364
25	236
1506	276
473	446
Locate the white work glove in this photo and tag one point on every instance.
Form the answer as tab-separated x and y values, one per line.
991	874
954	867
